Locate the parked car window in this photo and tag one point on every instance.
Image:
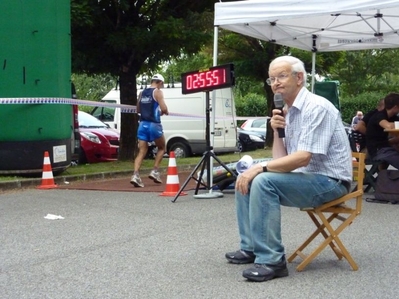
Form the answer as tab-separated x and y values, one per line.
88	121
104	113
258	123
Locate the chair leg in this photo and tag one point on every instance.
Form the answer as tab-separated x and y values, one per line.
298	251
311	256
322	229
334	236
330	238
369	178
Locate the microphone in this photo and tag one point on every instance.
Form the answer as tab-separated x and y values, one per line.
279	103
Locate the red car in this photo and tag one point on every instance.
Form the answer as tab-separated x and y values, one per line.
98	142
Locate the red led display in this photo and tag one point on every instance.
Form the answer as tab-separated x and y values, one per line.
209	79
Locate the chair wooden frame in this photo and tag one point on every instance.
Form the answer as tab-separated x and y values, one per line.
369	177
337	209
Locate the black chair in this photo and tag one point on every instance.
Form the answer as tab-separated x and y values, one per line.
352	142
370	175
359	141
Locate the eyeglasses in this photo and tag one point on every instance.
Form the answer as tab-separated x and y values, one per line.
280	78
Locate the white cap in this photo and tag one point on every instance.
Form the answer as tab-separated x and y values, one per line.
158	77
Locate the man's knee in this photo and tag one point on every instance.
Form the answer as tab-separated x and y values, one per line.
260	180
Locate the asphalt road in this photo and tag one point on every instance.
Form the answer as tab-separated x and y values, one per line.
140	245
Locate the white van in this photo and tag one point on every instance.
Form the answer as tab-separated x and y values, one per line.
185	126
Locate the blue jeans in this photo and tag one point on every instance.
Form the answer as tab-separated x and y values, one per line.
259	213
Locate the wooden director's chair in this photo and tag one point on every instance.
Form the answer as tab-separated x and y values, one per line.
337	209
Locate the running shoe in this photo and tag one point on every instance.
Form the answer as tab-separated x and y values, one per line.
136	181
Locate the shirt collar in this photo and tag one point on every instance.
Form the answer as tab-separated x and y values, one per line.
299	101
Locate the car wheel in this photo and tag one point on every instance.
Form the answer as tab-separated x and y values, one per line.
82	157
239	147
151	152
181	149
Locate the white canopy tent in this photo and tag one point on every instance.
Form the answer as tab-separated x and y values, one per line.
313	25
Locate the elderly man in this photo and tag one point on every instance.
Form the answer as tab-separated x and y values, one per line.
310	166
355	120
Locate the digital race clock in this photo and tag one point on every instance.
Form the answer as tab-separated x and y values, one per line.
216	77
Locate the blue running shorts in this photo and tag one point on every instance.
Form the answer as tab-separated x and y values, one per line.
149	131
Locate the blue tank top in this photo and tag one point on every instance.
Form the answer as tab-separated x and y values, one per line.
149	107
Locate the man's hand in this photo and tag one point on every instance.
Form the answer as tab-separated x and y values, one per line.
245	178
277	121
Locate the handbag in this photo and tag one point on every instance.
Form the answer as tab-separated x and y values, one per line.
387	186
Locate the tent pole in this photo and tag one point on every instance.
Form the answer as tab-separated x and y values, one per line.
313	69
215	45
213	105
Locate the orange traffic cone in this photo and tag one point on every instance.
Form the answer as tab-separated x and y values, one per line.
47	177
172	180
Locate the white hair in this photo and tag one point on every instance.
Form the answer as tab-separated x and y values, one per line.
297	65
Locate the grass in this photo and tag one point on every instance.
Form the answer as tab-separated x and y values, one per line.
119	166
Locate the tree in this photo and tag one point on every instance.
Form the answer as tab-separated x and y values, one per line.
92	87
367	71
128	37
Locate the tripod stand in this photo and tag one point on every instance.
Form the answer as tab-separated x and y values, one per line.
205	160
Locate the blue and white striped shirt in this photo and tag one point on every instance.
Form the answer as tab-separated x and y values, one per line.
314	125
